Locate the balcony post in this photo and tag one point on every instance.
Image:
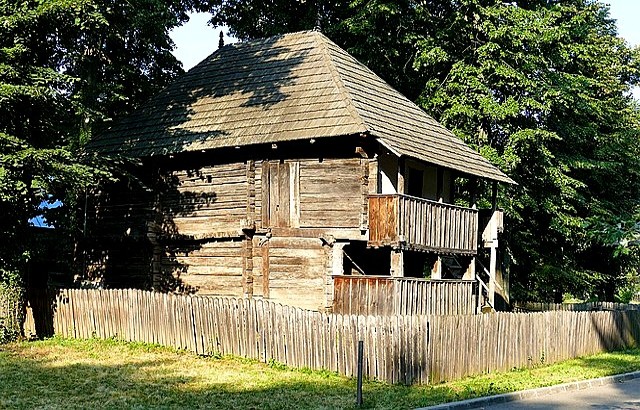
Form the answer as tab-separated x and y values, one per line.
335	267
494	196
401	172
436	270
470	273
397	263
492	276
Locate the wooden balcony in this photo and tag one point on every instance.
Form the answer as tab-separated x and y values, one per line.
384	295
420	224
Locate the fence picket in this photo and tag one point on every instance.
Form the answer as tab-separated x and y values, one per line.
398	348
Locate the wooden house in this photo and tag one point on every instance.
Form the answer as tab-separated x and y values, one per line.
274	167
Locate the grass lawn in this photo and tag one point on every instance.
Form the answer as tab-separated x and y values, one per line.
63	374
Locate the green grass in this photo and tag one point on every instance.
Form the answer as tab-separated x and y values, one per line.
63	373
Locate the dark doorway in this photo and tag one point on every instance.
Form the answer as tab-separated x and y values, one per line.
416	180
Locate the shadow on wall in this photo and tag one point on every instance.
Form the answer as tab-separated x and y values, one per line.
132	240
621	331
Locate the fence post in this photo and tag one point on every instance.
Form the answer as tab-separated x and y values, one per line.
360	363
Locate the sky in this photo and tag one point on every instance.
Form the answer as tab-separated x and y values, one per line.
196	40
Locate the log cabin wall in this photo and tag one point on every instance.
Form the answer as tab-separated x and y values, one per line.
208	202
295	271
272	228
253	227
331	193
301	201
203	212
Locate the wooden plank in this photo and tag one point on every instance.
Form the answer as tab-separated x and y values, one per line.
247	267
283	198
294	194
265	190
265	270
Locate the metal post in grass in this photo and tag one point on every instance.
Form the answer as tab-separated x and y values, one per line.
359	388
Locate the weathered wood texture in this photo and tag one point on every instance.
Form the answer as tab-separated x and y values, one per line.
573	307
374	295
207	201
297	269
407	349
310	193
213	267
421	224
248	327
467	345
331	194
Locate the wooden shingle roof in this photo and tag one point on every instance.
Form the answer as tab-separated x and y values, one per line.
289	87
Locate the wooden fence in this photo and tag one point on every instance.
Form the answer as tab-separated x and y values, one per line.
251	328
419	223
407	349
573	307
376	295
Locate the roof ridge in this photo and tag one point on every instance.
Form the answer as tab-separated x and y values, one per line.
337	78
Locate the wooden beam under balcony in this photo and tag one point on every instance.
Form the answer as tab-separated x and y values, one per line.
413	223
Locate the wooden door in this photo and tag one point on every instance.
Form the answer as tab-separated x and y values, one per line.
280	194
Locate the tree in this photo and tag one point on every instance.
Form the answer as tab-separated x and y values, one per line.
541	88
545	93
66	67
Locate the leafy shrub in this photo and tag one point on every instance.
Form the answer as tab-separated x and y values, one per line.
11	312
626	294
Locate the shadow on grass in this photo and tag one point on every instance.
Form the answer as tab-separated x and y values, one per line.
612	363
91	374
55	380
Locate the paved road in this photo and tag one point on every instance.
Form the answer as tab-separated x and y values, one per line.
621	395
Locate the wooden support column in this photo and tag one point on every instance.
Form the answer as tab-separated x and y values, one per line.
473	192
452	187
436	271
490	239
265	188
247	267
265	270
364	188
397	263
335	266
440	184
249	230
492	275
401	174
470	273
251	195
494	196
294	194
374	177
154	232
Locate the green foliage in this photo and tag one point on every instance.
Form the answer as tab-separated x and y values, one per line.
626	293
541	89
11	310
67	67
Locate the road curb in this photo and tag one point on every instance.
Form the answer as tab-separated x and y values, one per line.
526	394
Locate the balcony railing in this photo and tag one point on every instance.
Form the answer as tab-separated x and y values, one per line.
416	223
